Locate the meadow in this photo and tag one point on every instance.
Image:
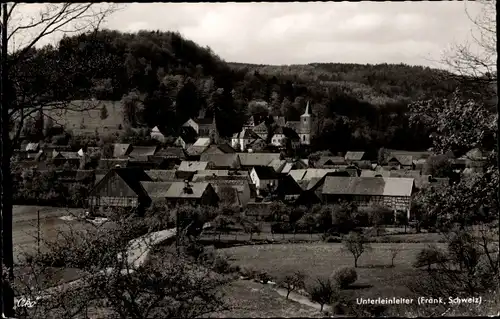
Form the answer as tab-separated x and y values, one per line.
87	122
375	276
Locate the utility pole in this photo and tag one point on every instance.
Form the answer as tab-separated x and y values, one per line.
1	177
6	184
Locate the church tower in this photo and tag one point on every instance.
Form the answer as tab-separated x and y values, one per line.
214	133
306	126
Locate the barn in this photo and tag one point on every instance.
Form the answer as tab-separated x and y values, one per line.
120	187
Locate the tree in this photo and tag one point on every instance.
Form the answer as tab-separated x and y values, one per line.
250	227
438	166
394	251
292	281
345	277
104	112
323	292
29	88
356	244
380	215
402	218
429	256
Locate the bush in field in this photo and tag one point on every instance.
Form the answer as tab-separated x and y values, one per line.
264	277
323	291
345	277
248	272
429	256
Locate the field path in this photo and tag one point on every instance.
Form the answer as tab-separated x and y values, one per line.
301	299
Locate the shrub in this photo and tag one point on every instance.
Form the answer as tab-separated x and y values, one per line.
323	292
264	277
292	281
429	256
248	272
345	277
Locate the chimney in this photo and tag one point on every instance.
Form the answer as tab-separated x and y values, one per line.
187	187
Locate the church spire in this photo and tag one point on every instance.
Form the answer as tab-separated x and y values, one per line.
308	109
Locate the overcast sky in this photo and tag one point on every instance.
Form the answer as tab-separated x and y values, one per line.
291	33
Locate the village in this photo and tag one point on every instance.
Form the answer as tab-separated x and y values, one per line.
200	168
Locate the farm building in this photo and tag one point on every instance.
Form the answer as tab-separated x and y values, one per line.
249	160
243	139
194	166
394	193
264	178
120	187
156	134
199	193
121	150
222	161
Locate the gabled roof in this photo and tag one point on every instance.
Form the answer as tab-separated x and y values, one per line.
287	132
370	173
121	150
178	190
331	160
109	163
371	186
222	160
246	134
32	147
171	152
354	156
475	154
132	176
277	165
220	148
288	186
220	174
202	141
70	155
414	154
257	159
142	151
161	175
297	174
405	160
425	181
279	120
192	166
287	168
266	172
317	173
194	150
261	128
156	190
404	173
294	125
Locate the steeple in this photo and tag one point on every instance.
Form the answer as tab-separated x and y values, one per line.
308	110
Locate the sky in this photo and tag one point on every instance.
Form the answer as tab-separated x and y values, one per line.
416	33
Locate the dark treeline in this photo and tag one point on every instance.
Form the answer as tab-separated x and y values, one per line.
163	79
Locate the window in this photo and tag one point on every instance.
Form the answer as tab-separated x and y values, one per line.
303	137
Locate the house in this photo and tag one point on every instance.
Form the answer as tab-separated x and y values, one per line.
264	178
414	154
157	191
142	152
222	161
222	148
394	193
188	134
156	134
32	147
194	166
199	193
352	156
121	150
120	187
279	120
249	160
427	181
310	173
262	130
61	158
284	135
232	191
288	190
379	173
331	162
221	173
312	188
198	147
243	139
400	162
475	158
168	157
179	141
278	165
405	173
204	126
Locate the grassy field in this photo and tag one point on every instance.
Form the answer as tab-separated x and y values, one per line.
375	278
253	300
25	228
88	121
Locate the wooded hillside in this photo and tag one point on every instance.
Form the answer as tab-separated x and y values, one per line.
163	79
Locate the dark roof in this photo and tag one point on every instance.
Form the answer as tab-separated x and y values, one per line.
425	181
178	190
171	152
220	148
288	186
194	150
374	186
266	172
330	160
132	176
354	156
204	121
120	150
261	128
156	190
222	160
288	132
188	134
257	159
161	175
108	163
142	151
415	154
404	173
279	120
405	160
